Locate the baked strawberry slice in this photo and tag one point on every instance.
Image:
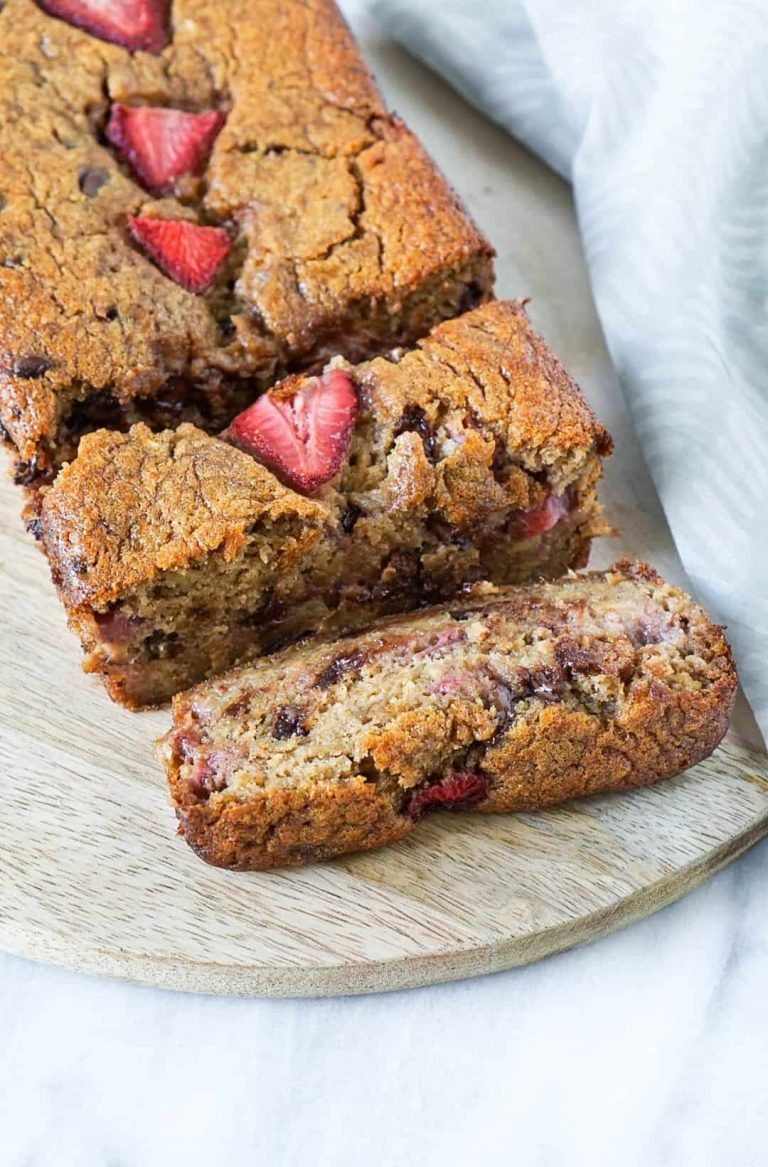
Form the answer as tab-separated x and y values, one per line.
188	253
161	144
457	790
302	437
132	24
525	524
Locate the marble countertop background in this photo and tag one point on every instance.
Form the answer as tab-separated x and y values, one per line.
645	1049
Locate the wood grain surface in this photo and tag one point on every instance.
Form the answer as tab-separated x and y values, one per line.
93	877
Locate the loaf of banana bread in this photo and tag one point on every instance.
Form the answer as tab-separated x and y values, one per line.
196	199
335	499
512	699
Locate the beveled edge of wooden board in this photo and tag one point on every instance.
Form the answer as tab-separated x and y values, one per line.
124	956
401	972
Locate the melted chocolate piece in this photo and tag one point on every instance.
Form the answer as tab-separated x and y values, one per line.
349	517
465	613
545	684
613	658
339	667
289	722
575	658
31	367
91	179
414	420
401	581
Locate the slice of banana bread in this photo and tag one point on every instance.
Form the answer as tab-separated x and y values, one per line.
512	699
180	226
471	456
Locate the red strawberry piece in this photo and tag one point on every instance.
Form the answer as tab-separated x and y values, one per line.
303	438
188	253
117	628
524	524
133	24
162	144
210	770
451	683
458	790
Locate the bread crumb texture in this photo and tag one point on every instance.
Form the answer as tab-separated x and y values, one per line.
595	682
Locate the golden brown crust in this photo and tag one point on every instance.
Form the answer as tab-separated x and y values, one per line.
289	828
507	376
378	224
501	407
627	683
163	502
453	439
301	174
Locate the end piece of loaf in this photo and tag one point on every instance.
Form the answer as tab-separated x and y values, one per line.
178	556
510	700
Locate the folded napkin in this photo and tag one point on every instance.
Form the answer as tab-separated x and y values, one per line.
657	113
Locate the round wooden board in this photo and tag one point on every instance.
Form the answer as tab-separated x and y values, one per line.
94	878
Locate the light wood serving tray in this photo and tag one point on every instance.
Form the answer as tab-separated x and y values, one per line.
93	877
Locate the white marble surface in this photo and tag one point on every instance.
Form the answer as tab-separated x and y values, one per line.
646	1049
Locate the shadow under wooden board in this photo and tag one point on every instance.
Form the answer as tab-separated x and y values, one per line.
93	877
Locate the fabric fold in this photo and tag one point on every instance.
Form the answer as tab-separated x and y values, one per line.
658	115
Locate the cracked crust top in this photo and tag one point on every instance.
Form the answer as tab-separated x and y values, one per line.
491	368
133	505
333	204
479	418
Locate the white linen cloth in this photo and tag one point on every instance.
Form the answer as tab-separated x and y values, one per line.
657	112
